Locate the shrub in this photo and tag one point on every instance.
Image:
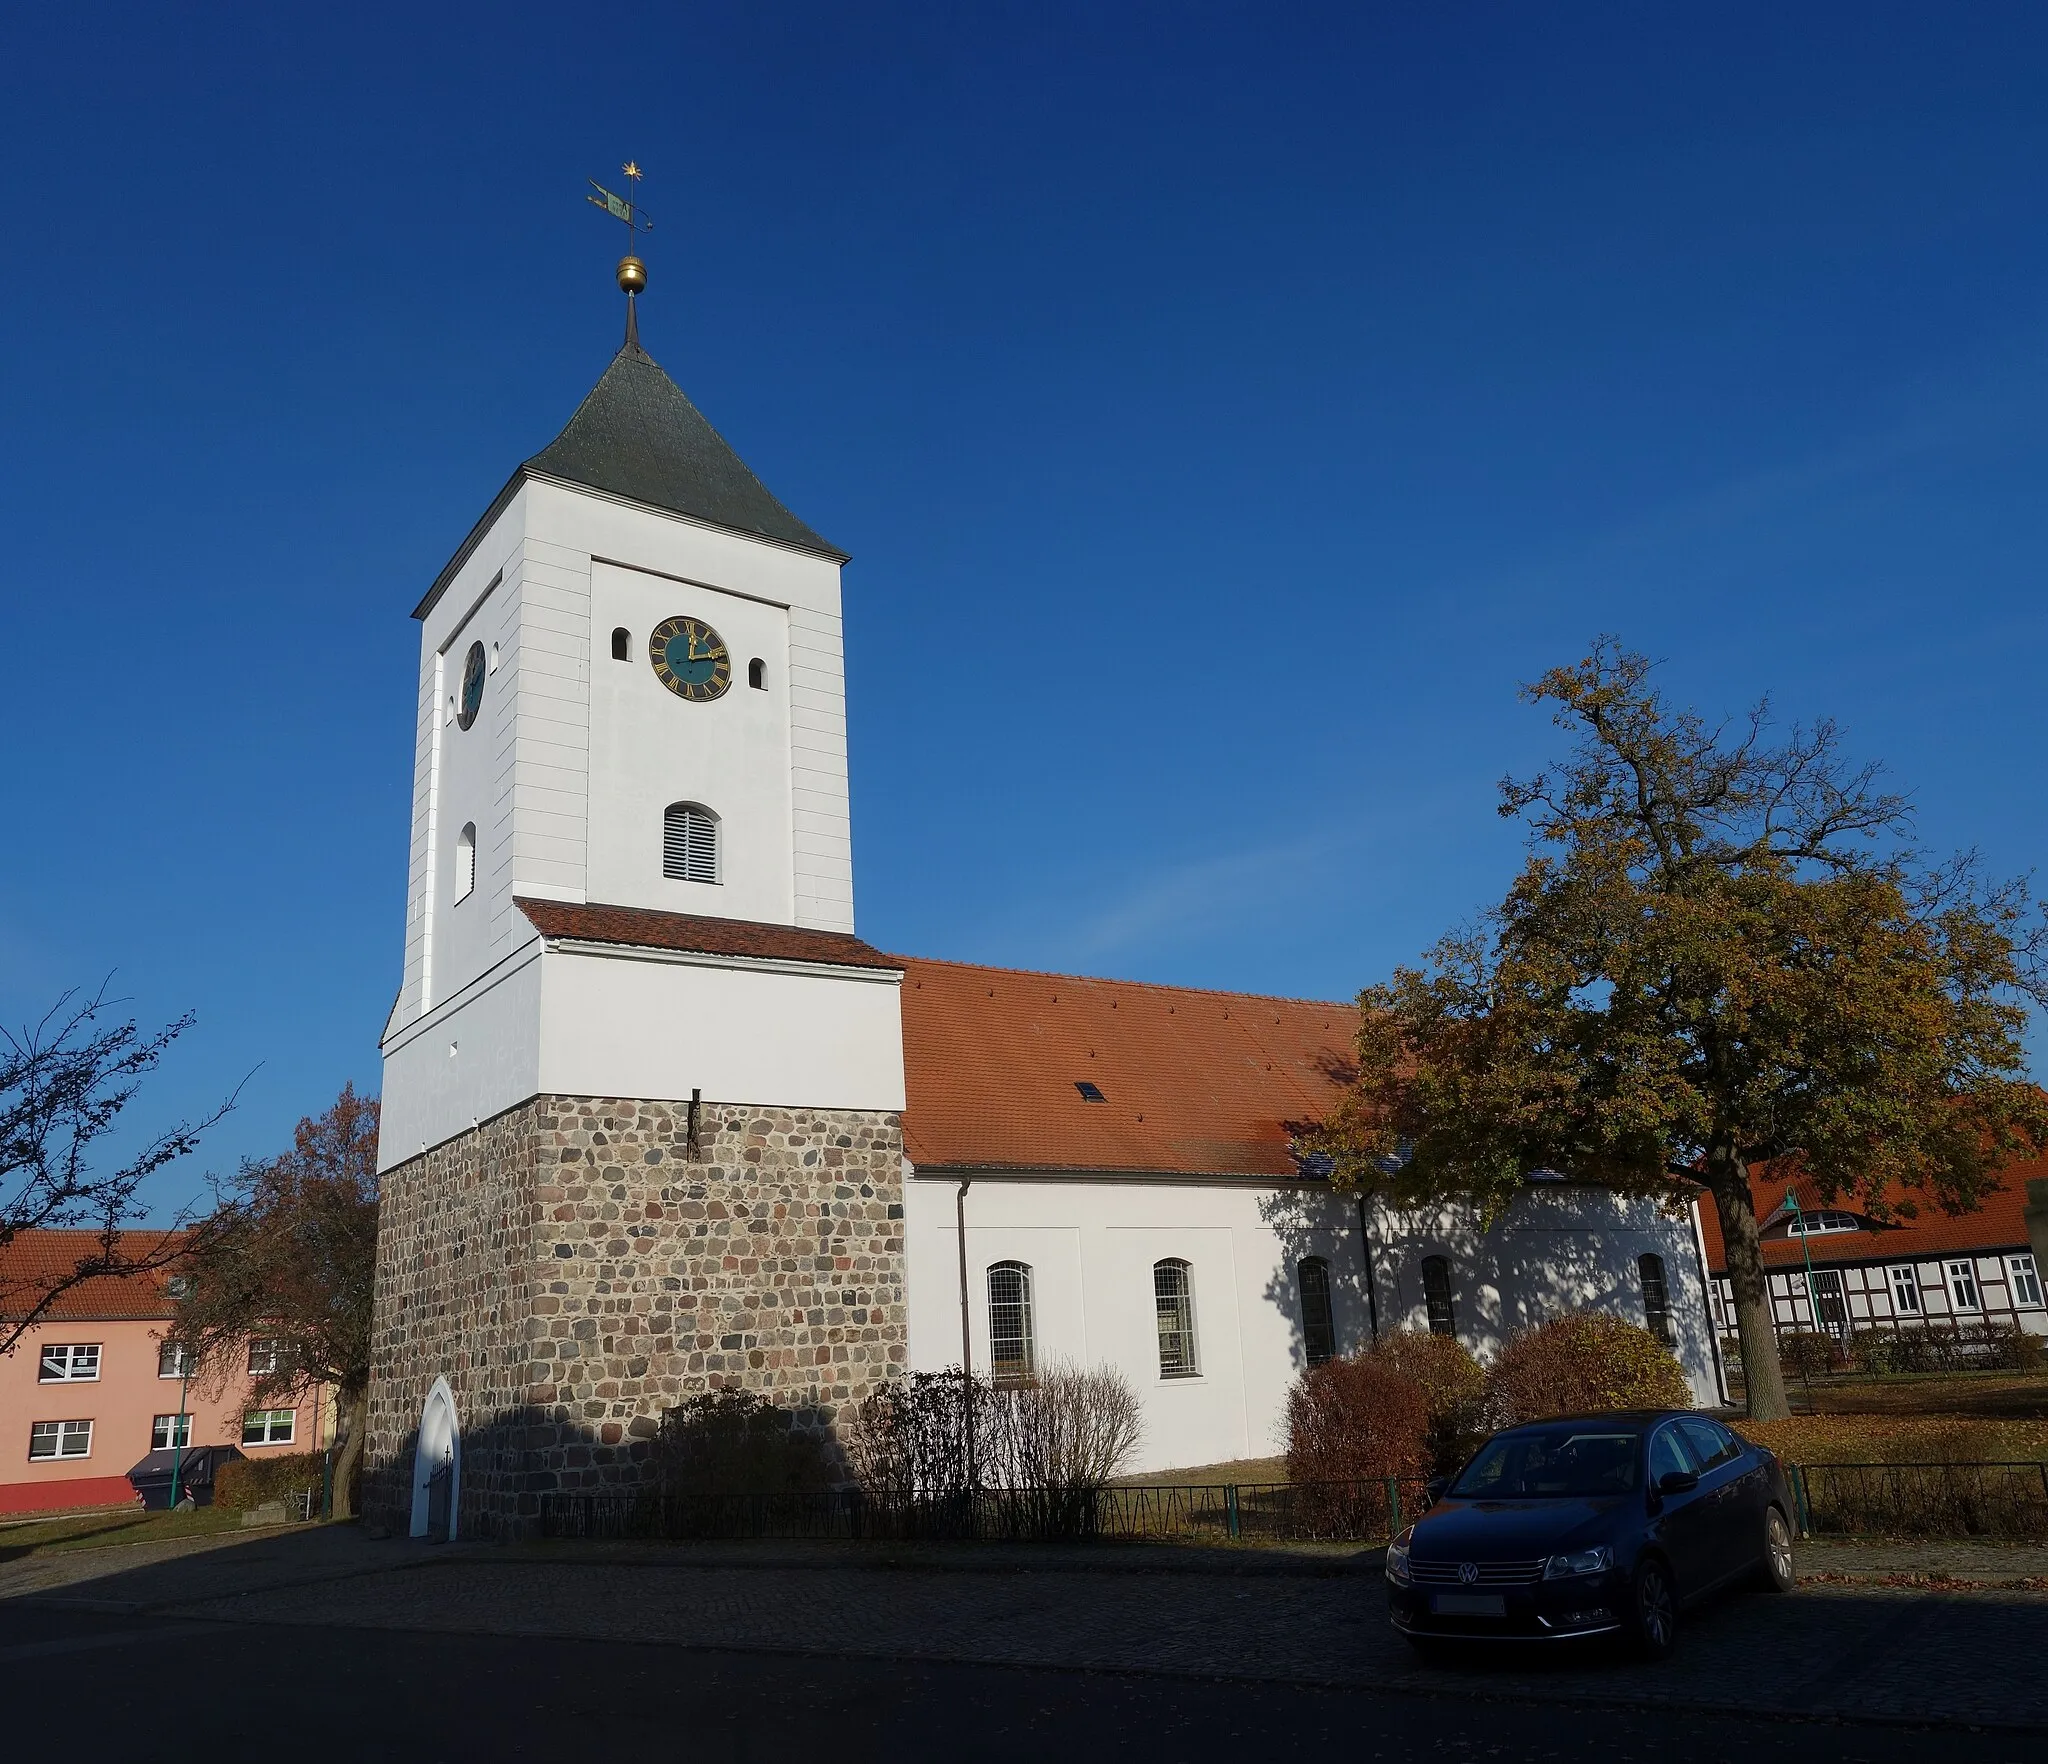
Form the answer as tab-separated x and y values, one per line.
1581	1364
246	1483
1452	1383
1967	1347
730	1444
1070	1429
1357	1418
909	1436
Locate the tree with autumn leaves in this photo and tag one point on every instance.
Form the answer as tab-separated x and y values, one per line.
1723	950
289	1256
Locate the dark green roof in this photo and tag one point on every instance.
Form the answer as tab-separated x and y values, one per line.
636	435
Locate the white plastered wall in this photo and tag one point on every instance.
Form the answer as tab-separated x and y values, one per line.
597	1021
1091	1244
559	779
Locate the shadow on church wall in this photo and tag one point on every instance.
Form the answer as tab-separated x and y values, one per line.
512	1458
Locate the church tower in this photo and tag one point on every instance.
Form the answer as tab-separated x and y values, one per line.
642	1084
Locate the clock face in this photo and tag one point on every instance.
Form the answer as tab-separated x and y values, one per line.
472	686
690	659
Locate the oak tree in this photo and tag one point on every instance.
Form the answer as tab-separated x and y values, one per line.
289	1258
1722	951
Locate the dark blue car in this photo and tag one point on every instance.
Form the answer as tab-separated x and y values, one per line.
1596	1525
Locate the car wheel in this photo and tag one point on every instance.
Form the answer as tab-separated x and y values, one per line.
1779	1575
1653	1613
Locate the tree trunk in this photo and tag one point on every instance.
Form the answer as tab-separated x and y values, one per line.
352	1409
1762	1375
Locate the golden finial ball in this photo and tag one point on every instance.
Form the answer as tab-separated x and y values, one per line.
632	275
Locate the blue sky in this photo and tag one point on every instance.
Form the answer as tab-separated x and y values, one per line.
1226	407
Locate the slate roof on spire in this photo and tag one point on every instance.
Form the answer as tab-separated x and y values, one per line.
638	436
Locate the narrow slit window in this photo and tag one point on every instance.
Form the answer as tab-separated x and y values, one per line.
1318	1327
757	674
622	644
1010	1331
1436	1295
689	843
465	861
1173	1298
1656	1297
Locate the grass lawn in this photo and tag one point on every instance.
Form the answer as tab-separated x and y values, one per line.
2002	1396
1239	1470
1912	1417
124	1525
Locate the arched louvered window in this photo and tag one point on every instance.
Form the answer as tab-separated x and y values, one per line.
757	674
1436	1295
689	843
465	861
1173	1298
1318	1327
1656	1297
622	644
1010	1346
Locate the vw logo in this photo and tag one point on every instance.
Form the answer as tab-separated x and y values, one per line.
1468	1572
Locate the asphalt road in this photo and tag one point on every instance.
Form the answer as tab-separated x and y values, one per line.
86	1686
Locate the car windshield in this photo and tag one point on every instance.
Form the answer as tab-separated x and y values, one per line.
1563	1462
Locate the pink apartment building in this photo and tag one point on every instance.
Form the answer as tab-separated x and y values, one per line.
94	1387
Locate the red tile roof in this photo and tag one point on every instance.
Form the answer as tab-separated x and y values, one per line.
35	1259
1192	1082
1998	1224
697	935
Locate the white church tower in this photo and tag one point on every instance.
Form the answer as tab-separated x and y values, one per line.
642	1084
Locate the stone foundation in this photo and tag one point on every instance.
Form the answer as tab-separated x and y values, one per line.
574	1272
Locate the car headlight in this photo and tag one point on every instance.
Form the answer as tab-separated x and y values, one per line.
1397	1558
1597	1560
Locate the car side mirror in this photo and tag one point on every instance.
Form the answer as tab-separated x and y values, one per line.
1677	1482
1433	1489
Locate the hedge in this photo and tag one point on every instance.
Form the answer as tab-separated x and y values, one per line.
255	1482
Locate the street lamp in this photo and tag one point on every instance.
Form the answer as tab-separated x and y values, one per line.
1812	1297
180	1425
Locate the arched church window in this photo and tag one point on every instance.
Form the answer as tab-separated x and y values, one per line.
689	843
1318	1327
1173	1297
1656	1297
465	861
757	674
1010	1357
1436	1295
622	644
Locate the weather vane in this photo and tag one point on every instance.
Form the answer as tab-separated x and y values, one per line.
632	272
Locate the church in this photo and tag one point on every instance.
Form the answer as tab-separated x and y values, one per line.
656	1119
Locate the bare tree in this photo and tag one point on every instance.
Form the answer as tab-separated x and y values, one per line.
63	1084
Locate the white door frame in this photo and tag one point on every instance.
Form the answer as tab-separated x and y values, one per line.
439	1442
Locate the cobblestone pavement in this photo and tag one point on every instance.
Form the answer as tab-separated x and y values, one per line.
1854	1653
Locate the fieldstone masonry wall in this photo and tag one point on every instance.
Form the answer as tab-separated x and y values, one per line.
575	1272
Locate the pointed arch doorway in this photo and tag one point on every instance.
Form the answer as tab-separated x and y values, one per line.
437	1467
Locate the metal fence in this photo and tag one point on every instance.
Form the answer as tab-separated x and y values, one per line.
1834	1500
1922	1500
1365	1512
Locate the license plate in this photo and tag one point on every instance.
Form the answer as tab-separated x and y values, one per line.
1468	1604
